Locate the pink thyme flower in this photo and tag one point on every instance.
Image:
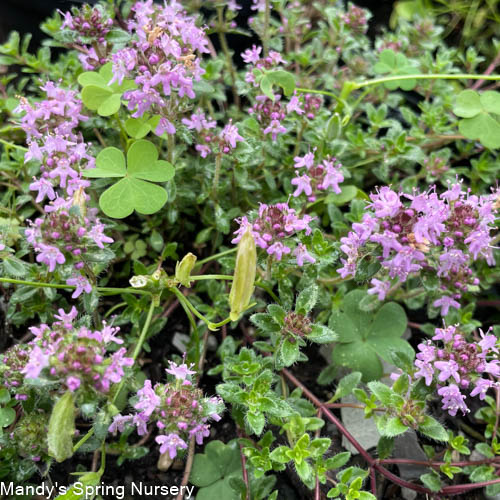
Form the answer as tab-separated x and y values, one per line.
38	360
170	443
81	283
180	371
301	254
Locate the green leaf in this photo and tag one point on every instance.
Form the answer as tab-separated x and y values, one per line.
433	429
7	416
346	385
91	78
306	300
357	357
62	428
385	446
382	392
288	352
491	101
4	396
132	192
431	480
282	78
482	127
468	104
110	162
109	106
347	194
136	128
393	64
143	163
392	427
256	422
93	96
338	460
120	200
321	334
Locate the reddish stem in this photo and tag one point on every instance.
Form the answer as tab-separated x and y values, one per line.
244	465
375	464
373	481
488	71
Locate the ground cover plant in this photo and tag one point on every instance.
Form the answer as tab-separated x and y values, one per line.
206	251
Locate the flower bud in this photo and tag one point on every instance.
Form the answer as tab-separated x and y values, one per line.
79	201
138	281
183	269
244	276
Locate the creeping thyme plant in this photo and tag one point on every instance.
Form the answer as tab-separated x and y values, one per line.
222	226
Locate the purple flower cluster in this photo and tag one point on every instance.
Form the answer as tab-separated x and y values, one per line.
163	61
317	177
269	113
441	234
274	224
458	365
208	141
67	230
76	357
91	25
253	57
178	408
355	18
65	235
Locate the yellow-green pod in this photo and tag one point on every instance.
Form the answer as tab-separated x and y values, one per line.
183	269
244	276
80	201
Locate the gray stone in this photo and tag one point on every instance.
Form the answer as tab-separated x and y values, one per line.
364	430
406	446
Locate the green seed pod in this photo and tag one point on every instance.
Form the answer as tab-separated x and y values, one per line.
244	276
183	269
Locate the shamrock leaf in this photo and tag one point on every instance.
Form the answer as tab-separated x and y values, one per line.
135	190
98	95
394	63
365	336
477	120
282	78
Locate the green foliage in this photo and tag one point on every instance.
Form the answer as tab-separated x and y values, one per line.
213	470
363	336
281	78
98	95
392	63
135	190
479	114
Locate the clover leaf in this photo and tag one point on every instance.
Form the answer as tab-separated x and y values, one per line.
282	78
394	63
364	336
212	471
98	95
476	112
135	190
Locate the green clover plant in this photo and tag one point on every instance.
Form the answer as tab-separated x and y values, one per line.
135	190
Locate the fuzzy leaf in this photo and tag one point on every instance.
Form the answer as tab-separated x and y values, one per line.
433	429
306	300
321	334
346	385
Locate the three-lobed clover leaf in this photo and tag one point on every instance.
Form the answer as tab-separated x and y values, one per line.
98	95
212	471
135	190
282	78
476	112
393	63
364	336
